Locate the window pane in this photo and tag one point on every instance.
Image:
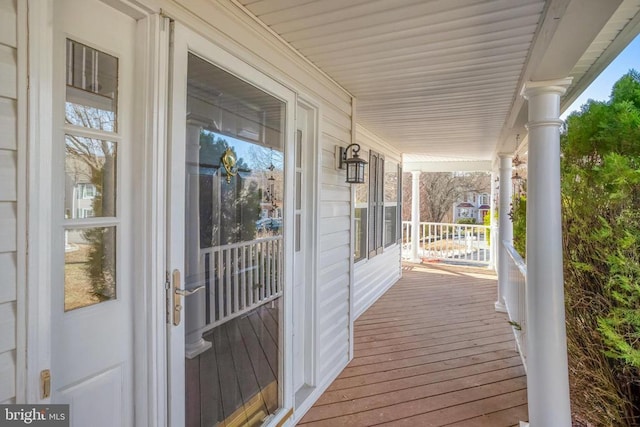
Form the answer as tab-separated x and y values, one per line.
92	87
235	185
231	207
90	177
360	245
299	148
360	226
298	190
390	224
298	232
390	203
390	182
373	169
89	266
380	206
222	103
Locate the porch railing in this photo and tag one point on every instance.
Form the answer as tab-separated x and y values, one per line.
515	298
240	277
468	243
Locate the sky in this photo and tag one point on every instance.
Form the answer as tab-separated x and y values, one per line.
600	89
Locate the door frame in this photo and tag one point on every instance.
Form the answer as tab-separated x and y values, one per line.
186	40
311	168
40	143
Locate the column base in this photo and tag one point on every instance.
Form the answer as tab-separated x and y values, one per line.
524	424
415	261
500	307
196	348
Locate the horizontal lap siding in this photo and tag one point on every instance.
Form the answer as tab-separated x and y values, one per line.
374	276
248	40
8	199
334	252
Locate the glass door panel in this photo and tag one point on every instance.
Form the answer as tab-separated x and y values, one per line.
233	248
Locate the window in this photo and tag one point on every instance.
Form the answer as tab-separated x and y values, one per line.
378	208
361	218
85	213
86	191
470	198
91	176
391	211
376	203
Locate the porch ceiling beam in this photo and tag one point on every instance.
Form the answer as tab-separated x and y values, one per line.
628	33
449	166
567	30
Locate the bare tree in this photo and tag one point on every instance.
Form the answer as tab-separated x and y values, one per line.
440	190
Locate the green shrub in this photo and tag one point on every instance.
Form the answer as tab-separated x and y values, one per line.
487	221
601	237
466	221
519	217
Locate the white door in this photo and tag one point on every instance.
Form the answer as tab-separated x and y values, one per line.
92	286
230	239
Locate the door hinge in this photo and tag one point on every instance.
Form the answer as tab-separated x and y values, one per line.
45	384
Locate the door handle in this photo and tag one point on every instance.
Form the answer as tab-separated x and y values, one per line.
178	294
187	292
177	298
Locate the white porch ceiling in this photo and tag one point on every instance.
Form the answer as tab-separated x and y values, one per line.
442	77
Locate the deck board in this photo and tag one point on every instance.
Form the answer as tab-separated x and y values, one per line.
243	367
432	351
235	382
230	388
209	387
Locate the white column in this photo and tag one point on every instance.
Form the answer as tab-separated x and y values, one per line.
506	229
415	216
194	305
492	224
547	372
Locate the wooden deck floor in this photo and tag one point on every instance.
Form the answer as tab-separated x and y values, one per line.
431	352
234	383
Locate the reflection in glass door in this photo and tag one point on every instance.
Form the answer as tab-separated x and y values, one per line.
234	249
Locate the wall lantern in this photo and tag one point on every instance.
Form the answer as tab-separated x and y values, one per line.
354	164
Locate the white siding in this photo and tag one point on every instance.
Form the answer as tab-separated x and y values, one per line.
8	68
8	21
374	276
8	198
7	326
7	375
334	252
250	41
8	118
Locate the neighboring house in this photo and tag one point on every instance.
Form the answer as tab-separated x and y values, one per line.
474	207
171	309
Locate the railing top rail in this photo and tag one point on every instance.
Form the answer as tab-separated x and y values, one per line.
449	224
240	244
515	256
